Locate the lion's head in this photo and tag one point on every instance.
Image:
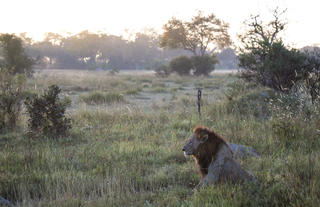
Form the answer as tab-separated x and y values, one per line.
195	140
203	145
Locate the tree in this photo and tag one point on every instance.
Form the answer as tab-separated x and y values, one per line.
201	36
14	56
266	60
85	46
196	36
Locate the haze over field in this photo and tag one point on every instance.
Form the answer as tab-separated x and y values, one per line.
123	17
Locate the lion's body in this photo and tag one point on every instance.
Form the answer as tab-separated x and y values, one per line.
214	158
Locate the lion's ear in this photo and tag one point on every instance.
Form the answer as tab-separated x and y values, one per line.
204	138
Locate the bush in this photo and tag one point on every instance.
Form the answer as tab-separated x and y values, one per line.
254	102
11	96
114	71
273	65
47	114
181	65
312	80
162	71
203	65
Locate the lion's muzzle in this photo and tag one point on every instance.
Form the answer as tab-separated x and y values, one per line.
186	155
187	149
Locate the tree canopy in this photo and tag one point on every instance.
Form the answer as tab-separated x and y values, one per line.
200	36
14	57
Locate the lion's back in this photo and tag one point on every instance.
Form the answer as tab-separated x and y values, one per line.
233	171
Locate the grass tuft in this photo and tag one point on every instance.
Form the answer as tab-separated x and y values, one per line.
97	97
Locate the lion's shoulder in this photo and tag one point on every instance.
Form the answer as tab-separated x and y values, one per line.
224	152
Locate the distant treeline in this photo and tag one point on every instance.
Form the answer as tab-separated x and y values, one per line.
87	50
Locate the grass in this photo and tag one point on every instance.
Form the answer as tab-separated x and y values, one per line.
132	156
158	90
97	97
133	91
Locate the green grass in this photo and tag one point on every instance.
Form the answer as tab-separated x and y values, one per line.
158	90
133	91
97	97
133	157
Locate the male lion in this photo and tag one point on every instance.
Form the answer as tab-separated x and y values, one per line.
214	158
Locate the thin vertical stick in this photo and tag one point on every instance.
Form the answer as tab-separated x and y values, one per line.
199	102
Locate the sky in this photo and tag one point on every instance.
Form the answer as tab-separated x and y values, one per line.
36	17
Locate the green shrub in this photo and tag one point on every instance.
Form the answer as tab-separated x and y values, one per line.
255	103
98	97
11	96
312	80
162	71
245	99
236	89
47	114
273	65
181	65
203	65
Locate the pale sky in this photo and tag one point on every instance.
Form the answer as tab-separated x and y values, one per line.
37	17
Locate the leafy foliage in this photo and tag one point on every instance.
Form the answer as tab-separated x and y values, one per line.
265	58
14	55
47	114
11	96
274	66
197	35
312	80
181	65
203	65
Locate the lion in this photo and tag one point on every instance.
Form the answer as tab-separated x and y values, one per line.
214	158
